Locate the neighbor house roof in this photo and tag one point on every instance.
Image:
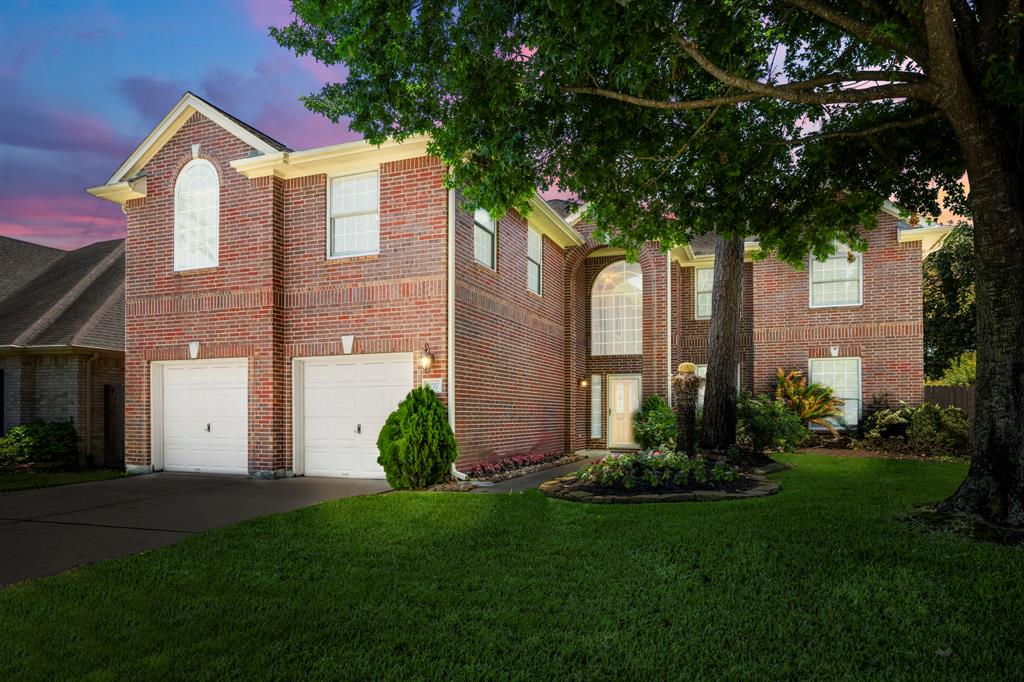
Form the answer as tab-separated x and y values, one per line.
75	298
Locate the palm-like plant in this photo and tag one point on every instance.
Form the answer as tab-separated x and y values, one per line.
813	403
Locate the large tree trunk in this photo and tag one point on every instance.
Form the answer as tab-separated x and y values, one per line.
994	487
718	423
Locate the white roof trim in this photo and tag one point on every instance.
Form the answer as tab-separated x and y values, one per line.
336	159
182	111
547	221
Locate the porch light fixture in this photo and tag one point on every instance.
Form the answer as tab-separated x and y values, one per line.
427	359
193	350
584	383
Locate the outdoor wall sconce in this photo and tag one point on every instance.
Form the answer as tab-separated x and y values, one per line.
193	350
346	343
584	383
427	359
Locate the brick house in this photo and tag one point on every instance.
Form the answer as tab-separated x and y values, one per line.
62	341
280	303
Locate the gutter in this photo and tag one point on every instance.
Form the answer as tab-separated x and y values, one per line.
458	475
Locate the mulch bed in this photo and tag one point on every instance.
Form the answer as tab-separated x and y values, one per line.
570	489
466	486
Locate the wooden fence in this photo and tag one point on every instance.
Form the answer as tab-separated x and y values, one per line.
958	396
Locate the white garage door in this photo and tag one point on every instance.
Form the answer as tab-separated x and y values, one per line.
205	416
345	402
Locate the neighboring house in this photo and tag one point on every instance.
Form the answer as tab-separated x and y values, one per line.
280	303
62	341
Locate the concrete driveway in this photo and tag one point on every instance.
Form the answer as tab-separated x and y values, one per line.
49	530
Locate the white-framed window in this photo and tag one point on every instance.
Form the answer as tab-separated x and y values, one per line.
534	260
196	216
617	310
595	406
703	280
837	280
353	217
843	375
702	372
485	239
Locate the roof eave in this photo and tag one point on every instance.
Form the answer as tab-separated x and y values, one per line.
546	220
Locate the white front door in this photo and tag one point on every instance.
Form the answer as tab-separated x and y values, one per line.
345	401
623	403
205	421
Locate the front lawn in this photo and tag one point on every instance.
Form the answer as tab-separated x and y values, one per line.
818	581
22	480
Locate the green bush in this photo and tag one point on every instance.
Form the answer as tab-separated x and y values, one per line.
416	444
656	469
655	423
764	424
39	442
963	371
925	430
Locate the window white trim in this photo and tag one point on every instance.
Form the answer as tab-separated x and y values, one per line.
840	251
485	222
331	216
616	313
181	263
850	402
535	260
697	292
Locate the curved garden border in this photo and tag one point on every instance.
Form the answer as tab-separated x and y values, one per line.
561	488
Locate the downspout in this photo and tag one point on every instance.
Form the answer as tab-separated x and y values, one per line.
668	334
456	474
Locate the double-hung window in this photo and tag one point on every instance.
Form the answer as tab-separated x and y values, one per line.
485	239
534	260
837	280
843	375
354	219
703	279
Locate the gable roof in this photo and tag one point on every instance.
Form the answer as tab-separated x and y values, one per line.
77	299
126	182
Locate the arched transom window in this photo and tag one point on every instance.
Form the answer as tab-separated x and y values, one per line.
617	310
196	216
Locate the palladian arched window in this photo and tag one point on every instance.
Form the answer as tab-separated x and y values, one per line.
617	310
196	216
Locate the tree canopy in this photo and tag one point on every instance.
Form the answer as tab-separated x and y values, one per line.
949	302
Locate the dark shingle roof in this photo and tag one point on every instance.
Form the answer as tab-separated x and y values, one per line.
561	206
704	245
21	261
78	300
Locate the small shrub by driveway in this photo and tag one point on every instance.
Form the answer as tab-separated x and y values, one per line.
821	581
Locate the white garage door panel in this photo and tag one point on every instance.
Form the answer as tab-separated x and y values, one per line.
341	394
199	393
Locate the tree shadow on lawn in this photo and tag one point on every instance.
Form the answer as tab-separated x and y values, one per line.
818	580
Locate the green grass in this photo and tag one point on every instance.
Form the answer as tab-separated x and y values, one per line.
23	480
819	581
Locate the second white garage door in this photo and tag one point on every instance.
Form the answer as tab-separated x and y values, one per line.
345	402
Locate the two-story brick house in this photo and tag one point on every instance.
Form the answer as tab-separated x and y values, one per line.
280	303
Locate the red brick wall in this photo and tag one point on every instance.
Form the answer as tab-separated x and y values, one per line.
886	331
509	348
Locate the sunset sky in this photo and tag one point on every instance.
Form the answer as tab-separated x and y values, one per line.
84	81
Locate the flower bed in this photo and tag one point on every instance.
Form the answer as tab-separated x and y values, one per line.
518	465
660	471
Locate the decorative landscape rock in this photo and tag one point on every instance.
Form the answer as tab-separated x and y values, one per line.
566	488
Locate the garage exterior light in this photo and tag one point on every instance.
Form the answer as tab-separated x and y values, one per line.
427	359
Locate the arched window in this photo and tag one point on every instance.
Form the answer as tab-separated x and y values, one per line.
196	216
617	310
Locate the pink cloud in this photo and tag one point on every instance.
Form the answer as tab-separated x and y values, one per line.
301	128
66	222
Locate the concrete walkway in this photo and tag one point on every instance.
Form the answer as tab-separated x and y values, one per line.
530	481
49	530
